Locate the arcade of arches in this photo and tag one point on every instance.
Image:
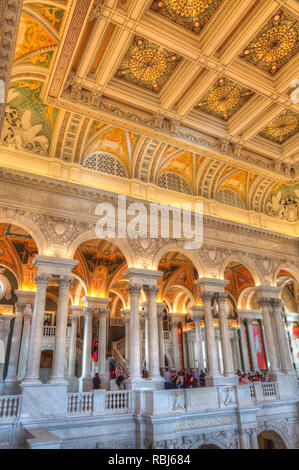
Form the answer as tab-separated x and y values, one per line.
111	109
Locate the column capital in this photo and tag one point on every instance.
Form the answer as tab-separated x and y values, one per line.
206	297
77	311
211	285
220	297
197	312
142	276
134	289
276	303
54	266
151	291
65	281
264	301
27	312
96	302
160	308
25	296
42	279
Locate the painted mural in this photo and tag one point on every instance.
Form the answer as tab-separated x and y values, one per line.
283	202
53	15
259	347
17	251
28	123
35	45
98	262
239	279
181	164
115	141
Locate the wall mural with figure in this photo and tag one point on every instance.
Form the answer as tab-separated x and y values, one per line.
283	202
28	123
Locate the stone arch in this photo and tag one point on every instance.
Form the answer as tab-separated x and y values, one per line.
252	268
27	225
204	442
279	440
285	267
190	254
122	244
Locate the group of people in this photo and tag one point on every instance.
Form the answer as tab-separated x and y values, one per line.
115	372
250	377
187	378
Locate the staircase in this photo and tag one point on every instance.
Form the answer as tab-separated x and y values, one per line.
118	353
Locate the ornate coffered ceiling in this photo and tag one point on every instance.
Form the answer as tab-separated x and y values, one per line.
199	90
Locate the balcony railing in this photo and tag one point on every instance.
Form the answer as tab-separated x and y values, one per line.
9	406
49	330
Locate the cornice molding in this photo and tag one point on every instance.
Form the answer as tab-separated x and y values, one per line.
47	184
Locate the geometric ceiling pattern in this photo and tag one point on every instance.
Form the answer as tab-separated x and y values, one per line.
282	127
192	96
191	14
224	98
148	65
275	44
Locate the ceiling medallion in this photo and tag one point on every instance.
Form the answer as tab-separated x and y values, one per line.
282	127
191	14
148	65
224	98
189	8
275	45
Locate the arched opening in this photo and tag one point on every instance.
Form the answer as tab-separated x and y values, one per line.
270	440
46	361
178	292
208	446
100	270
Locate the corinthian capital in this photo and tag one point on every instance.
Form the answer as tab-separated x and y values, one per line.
264	302
42	279
206	297
65	281
134	289
151	291
221	296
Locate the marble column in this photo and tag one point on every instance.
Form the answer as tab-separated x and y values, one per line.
27	316
36	335
253	439
153	338
281	336
238	352
197	315
59	356
160	308
244	349
134	291
102	346
85	382
11	384
144	314
211	345
265	345
254	363
228	369
265	304
5	324
126	316
175	341
73	347
244	441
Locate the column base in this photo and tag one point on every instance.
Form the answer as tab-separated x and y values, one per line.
85	384
156	382
31	381
57	381
136	384
73	384
11	387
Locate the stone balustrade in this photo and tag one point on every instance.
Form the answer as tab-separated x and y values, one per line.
9	406
152	402
49	331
